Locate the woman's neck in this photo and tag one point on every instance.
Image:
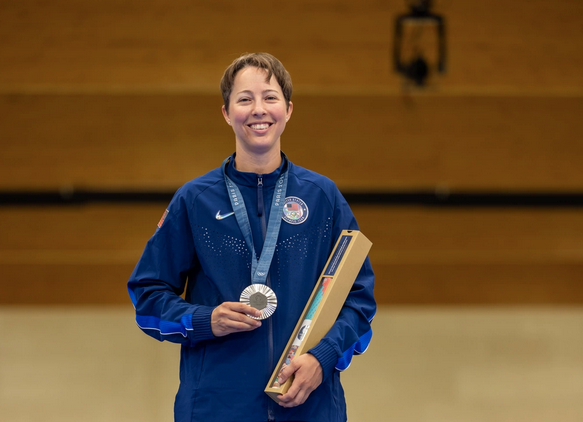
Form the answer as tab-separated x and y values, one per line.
260	164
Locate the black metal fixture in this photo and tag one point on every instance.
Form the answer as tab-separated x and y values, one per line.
417	68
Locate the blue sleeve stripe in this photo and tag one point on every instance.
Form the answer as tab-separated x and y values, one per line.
359	347
165	328
186	322
132	297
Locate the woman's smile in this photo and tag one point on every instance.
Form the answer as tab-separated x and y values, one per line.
259	126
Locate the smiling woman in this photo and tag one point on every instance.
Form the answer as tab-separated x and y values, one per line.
286	220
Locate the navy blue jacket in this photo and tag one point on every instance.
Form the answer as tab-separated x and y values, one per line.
222	379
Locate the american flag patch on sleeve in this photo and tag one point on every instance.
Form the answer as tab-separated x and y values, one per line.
163	218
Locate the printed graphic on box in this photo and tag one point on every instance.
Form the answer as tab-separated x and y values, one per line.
304	328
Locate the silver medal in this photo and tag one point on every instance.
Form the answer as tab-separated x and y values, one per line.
260	297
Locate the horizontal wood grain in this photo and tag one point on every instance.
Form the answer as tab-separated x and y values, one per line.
67	44
76	255
110	95
554	283
366	143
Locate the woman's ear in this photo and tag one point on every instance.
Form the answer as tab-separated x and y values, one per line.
290	108
226	115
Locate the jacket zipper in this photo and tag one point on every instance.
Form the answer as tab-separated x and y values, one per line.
261	215
261	205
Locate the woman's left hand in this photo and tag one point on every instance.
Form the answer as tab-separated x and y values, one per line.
307	373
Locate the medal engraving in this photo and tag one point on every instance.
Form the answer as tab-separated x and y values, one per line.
260	297
258	301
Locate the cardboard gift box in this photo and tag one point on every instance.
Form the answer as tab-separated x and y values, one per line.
324	304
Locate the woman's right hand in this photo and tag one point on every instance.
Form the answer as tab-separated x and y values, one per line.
231	317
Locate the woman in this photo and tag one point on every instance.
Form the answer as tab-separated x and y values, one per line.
256	211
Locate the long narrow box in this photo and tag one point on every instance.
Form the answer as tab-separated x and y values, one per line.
324	304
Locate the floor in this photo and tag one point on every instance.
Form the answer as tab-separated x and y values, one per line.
429	364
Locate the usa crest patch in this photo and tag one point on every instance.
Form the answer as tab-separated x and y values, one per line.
295	210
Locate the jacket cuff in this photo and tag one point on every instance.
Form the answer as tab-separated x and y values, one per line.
327	357
201	324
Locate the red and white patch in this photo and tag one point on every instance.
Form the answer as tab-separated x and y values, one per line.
163	218
295	210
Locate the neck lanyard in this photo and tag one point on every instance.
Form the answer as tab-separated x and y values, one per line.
259	268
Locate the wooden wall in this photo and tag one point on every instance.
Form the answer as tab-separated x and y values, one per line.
124	95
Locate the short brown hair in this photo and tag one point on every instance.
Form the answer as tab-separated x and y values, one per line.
266	61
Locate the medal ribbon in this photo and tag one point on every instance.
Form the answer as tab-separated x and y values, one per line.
259	268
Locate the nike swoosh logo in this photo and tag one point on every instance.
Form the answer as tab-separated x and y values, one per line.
220	217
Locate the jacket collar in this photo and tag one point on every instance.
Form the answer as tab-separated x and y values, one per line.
250	179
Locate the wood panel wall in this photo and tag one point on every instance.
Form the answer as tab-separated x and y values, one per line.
124	95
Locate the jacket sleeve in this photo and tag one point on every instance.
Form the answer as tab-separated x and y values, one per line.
159	279
352	332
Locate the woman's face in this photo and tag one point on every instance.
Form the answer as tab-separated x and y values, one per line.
257	111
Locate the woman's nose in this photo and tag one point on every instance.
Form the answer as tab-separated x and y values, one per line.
258	109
